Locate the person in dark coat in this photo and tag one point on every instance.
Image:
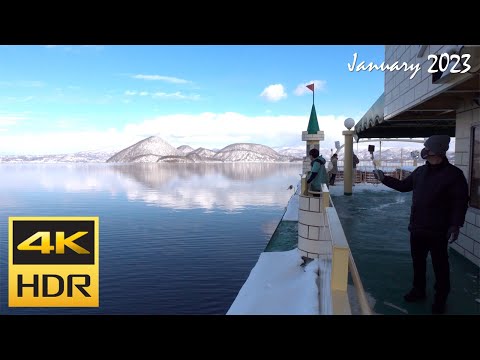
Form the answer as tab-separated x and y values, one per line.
439	205
355	161
318	174
334	170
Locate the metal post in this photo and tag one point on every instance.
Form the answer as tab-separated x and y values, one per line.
380	155
348	162
401	162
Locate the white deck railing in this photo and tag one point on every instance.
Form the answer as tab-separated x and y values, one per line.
343	263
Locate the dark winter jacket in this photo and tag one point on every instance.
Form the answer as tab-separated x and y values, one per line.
439	199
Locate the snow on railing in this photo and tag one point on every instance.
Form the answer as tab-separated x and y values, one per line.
342	258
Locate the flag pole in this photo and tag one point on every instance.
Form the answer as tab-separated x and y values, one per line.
312	87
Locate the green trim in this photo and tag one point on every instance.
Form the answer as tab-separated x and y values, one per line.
313	122
348	194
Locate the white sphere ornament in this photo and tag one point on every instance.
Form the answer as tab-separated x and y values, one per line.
349	123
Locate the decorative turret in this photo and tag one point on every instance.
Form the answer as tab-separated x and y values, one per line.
312	136
313	232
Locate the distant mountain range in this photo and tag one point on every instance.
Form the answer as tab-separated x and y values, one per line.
156	150
79	157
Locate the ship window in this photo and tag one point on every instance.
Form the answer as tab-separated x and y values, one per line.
475	168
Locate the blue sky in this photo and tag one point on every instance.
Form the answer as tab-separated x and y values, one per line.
61	99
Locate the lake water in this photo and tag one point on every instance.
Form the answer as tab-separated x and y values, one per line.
174	238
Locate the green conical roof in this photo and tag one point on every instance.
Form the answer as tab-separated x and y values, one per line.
313	122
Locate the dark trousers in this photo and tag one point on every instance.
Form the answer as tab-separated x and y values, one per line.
332	179
421	243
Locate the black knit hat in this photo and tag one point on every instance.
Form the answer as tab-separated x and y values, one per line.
438	144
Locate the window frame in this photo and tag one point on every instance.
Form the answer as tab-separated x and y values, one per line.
473	131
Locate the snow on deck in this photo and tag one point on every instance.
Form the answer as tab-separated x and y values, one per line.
279	285
291	214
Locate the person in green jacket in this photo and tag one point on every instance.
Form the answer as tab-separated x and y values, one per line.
318	174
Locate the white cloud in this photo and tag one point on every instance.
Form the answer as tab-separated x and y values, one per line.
175	95
95	47
209	130
163	95
23	83
13	99
7	120
168	79
274	92
302	89
64	124
74	47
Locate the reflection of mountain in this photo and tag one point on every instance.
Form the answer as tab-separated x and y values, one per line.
210	186
215	187
177	186
155	175
248	171
150	175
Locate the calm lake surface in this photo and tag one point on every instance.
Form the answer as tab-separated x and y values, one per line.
174	238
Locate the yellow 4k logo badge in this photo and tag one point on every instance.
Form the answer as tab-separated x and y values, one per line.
53	262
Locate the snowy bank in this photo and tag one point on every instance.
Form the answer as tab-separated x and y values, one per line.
279	285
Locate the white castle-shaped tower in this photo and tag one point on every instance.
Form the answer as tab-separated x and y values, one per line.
312	136
313	232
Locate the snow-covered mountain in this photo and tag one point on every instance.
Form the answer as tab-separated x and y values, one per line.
79	157
298	152
390	154
154	149
363	154
246	152
185	149
204	153
150	149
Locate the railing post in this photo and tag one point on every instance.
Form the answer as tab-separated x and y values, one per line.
304	185
340	258
340	253
313	235
325	196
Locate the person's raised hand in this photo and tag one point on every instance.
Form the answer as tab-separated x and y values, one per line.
379	175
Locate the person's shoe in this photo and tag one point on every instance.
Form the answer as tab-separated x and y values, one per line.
414	295
438	308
